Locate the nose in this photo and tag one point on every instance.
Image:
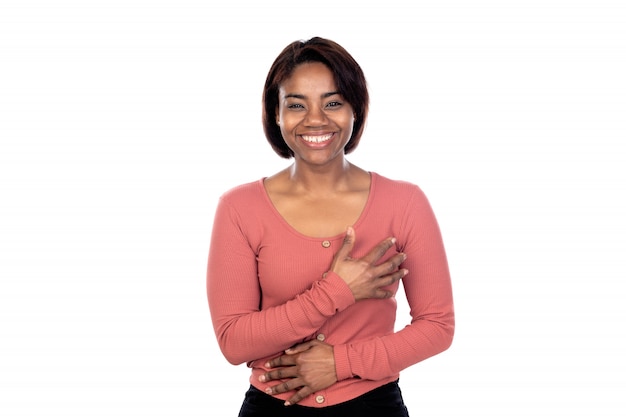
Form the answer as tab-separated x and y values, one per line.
315	117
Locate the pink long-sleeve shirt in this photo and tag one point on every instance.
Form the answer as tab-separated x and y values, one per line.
267	292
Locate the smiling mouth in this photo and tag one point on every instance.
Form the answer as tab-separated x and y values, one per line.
317	138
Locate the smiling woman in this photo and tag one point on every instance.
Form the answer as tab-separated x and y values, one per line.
304	265
314	119
347	76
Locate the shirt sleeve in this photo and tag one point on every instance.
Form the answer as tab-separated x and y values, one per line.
429	294
244	331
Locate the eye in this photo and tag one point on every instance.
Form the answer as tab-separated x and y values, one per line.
334	104
295	106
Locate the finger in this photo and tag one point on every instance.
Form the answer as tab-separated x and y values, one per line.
388	280
290	385
389	266
280	373
283	360
380	293
300	395
393	278
301	347
379	250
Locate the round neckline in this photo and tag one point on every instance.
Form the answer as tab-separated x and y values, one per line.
285	223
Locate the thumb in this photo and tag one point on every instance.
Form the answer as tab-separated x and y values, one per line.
348	244
300	347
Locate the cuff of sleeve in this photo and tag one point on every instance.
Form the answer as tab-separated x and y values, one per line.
342	362
344	297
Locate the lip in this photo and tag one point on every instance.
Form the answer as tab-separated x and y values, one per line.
317	138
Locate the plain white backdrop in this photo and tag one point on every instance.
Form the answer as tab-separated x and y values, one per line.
121	123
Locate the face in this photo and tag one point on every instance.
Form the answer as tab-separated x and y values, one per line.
315	120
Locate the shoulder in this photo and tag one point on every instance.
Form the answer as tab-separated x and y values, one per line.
398	198
395	189
246	202
244	194
245	208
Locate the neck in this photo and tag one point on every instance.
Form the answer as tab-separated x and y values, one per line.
321	179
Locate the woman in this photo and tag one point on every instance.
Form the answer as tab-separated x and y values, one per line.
304	264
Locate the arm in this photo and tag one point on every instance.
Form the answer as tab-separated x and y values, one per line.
314	365
244	331
429	294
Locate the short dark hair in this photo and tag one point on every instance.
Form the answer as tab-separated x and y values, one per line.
348	76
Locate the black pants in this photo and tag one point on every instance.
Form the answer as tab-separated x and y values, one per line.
385	401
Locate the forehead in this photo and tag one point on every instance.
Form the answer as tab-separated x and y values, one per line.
311	76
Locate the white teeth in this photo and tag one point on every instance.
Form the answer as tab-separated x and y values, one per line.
317	139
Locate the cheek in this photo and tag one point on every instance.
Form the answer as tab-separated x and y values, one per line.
287	133
288	123
284	127
349	124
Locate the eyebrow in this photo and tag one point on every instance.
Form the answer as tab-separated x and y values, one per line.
302	96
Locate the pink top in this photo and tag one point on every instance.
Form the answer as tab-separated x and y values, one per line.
266	291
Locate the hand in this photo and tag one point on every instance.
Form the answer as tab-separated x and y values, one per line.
363	276
310	365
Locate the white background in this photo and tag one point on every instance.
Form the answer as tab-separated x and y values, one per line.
121	122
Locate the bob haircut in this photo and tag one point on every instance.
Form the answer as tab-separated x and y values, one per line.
349	79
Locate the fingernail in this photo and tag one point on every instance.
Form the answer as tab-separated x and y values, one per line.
262	378
287	403
267	365
393	240
268	391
